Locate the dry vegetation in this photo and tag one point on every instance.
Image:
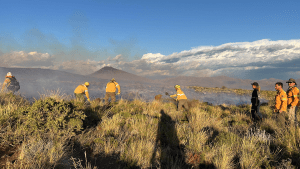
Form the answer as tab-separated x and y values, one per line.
266	94
58	132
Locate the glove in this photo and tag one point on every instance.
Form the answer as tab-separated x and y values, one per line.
89	100
118	93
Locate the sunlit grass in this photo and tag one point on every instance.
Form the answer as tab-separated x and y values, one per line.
56	130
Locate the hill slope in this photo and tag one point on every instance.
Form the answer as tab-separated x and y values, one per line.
120	75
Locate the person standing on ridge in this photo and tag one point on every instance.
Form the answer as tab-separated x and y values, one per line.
110	91
280	104
81	90
10	84
292	101
181	98
256	115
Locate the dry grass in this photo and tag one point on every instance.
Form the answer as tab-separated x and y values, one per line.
58	132
266	94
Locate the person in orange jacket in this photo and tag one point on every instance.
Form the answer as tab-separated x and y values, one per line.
81	90
280	104
181	98
292	101
111	91
10	84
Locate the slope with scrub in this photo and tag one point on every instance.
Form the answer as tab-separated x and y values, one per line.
58	132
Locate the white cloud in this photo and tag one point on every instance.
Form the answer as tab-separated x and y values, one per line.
152	57
229	58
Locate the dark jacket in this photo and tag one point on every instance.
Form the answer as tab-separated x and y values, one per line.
255	97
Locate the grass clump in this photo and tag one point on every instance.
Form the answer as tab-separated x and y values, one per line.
62	133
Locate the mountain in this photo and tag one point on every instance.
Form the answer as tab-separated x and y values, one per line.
108	73
34	81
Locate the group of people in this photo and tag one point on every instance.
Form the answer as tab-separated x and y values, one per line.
111	88
286	103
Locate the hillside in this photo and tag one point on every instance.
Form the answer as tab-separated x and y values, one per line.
56	132
34	81
120	75
220	81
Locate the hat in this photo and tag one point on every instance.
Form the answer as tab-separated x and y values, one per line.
86	83
177	86
9	74
255	84
113	79
291	80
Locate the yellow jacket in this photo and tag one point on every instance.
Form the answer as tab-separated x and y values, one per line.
82	89
281	100
180	95
6	82
292	95
111	87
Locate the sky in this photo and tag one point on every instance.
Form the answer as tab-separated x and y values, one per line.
156	39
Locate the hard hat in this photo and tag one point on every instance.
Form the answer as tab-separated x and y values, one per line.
113	79
9	74
177	86
86	83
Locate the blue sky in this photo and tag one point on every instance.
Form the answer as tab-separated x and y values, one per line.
102	30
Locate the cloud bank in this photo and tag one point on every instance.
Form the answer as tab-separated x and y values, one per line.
248	60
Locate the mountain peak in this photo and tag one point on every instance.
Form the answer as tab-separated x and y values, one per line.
109	72
108	68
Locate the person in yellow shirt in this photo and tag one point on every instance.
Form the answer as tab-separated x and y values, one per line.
10	84
81	90
111	91
181	98
280	104
292	101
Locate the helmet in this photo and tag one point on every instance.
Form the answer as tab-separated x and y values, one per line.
177	86
9	74
113	79
86	83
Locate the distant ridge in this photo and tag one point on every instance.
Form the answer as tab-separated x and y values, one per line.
108	72
220	81
48	78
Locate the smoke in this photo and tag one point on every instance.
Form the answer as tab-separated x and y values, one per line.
77	50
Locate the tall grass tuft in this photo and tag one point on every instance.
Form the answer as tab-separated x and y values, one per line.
56	130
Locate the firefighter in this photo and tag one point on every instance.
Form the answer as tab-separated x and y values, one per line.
256	115
10	84
292	101
111	91
81	90
280	104
181	99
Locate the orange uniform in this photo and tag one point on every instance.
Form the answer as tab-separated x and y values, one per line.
82	89
111	87
292	96
281	100
7	82
180	95
11	84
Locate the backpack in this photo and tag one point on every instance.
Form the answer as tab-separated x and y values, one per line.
14	84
